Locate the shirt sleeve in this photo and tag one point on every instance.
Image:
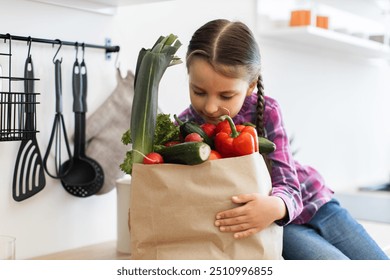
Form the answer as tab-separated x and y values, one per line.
285	183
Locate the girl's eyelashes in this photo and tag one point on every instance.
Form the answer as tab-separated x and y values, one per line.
224	97
199	93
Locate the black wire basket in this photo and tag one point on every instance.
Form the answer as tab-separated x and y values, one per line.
14	104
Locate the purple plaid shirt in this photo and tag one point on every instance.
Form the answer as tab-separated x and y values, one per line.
302	188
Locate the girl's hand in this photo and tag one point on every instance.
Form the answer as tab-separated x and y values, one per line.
257	213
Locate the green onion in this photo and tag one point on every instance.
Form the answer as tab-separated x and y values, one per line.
151	66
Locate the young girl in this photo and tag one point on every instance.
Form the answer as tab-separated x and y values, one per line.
223	63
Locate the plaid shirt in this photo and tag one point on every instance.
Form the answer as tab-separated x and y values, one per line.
302	188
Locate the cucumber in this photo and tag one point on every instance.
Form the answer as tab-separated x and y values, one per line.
189	153
189	127
266	146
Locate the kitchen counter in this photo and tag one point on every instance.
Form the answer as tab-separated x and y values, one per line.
107	250
367	205
101	251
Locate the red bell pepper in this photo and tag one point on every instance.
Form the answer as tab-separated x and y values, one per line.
252	130
209	129
236	143
223	126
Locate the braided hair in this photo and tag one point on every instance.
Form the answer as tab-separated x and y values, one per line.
231	49
260	106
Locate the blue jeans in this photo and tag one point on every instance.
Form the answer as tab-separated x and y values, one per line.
332	234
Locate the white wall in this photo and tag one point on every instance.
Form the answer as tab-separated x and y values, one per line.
54	220
334	105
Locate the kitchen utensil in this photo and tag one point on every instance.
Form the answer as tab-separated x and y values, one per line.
58	133
85	176
29	176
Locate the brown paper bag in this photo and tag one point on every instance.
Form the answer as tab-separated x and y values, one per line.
173	208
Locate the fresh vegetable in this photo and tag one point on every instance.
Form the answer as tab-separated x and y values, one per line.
266	146
235	143
193	137
209	129
189	153
252	131
171	143
223	126
153	158
166	133
151	66
214	155
190	127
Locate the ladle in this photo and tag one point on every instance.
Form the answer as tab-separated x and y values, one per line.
84	175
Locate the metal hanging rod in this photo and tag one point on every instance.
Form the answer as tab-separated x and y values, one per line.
109	49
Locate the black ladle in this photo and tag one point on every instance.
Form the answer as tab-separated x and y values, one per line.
84	176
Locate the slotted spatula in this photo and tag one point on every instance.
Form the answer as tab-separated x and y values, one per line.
29	176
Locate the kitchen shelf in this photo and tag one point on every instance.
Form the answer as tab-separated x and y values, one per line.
320	38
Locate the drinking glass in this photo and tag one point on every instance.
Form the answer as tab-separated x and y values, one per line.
7	247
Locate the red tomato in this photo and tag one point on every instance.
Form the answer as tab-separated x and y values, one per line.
214	155
153	158
209	129
193	137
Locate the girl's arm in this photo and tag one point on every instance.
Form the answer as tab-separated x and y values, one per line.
285	183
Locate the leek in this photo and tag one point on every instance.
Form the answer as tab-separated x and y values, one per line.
151	65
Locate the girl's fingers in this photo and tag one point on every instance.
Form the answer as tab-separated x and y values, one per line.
244	234
240	231
230	221
238	211
243	198
234	228
231	213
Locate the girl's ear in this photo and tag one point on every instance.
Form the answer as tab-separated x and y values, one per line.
251	88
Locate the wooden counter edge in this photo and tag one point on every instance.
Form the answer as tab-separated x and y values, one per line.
101	251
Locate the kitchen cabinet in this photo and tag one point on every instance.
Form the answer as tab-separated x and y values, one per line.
349	32
107	7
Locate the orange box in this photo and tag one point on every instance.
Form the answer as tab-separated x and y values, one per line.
322	22
300	18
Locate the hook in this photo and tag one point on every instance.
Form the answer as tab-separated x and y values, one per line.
9	37
77	49
83	49
60	42
117	60
29	42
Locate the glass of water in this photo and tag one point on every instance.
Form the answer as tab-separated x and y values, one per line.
7	247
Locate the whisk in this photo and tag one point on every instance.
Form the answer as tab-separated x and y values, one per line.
58	133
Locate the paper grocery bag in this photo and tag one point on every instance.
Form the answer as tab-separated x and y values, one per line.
173	209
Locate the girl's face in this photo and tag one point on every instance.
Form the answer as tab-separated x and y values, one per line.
213	94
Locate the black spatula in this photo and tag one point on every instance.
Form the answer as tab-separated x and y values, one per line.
29	176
